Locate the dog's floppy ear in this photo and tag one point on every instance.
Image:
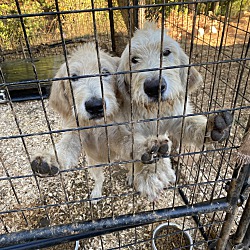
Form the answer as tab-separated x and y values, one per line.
194	78
123	85
60	94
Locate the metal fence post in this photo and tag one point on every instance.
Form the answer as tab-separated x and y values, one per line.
243	224
235	188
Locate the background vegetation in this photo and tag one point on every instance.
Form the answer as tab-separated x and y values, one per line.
235	7
45	29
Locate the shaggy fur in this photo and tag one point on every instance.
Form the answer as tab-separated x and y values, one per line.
146	49
149	142
162	93
100	145
83	61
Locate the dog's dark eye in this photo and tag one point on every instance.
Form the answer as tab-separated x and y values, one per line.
105	71
166	52
74	79
134	60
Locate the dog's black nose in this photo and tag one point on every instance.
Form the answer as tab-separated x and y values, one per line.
94	107
151	87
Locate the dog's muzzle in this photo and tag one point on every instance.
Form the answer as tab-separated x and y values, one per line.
95	108
154	87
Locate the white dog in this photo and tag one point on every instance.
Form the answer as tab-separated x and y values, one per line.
91	105
156	93
84	100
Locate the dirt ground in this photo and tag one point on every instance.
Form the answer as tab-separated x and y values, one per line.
28	202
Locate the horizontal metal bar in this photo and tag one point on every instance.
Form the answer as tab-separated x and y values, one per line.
45	237
82	201
7	178
123	123
49	80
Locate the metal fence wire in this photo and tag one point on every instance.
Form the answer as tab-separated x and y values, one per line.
114	118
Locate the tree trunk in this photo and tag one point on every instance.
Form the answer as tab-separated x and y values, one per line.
191	7
128	15
214	7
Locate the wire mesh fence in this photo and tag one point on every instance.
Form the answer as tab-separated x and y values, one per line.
203	189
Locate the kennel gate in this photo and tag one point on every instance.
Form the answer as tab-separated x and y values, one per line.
210	199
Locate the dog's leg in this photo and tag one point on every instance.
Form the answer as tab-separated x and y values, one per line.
133	170
68	150
98	176
153	178
154	172
194	130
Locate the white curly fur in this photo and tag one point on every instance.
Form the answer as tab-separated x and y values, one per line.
145	53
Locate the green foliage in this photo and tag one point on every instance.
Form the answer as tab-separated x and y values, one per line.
44	29
218	8
10	28
47	5
235	6
232	7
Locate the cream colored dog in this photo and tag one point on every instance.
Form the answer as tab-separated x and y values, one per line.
156	93
101	145
91	105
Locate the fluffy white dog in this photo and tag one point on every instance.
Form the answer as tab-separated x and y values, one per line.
92	102
89	99
163	93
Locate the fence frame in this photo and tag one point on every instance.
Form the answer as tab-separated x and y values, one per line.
44	237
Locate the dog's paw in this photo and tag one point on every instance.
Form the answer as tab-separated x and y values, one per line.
44	165
150	183
156	148
219	126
